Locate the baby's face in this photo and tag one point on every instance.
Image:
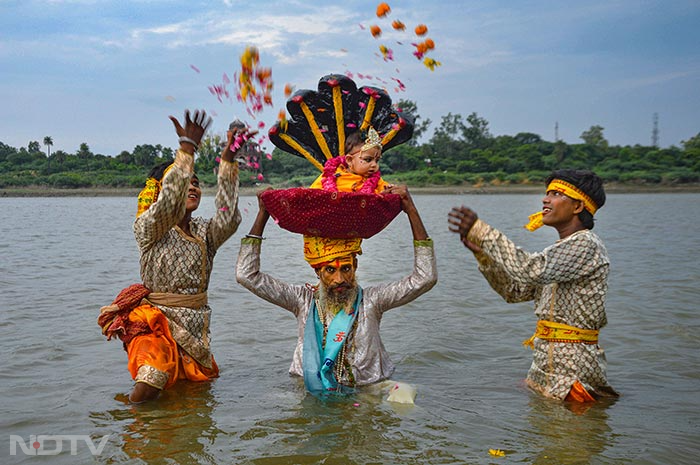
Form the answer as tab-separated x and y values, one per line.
364	163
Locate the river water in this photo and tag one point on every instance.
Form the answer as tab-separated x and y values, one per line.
61	259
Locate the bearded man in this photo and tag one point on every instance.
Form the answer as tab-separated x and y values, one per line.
338	345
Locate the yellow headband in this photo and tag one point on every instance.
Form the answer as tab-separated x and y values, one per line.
373	140
149	194
569	190
320	250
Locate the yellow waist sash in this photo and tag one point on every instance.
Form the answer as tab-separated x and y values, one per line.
559	332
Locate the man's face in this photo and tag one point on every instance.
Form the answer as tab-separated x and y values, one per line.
338	277
559	209
194	194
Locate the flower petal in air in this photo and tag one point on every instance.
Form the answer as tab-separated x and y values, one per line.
387	53
398	25
421	29
431	63
383	9
375	30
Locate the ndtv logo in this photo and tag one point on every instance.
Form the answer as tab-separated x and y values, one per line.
44	444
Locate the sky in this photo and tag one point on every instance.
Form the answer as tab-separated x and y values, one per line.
109	72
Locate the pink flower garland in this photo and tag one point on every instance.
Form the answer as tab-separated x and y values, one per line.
329	182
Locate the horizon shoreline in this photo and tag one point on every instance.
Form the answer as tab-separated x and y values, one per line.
610	188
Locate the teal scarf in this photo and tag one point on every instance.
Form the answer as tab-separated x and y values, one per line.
319	361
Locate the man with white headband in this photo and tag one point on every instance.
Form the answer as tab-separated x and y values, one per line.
568	282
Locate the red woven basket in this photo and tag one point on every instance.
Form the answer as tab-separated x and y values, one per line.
316	212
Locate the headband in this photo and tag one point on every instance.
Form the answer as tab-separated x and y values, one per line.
569	190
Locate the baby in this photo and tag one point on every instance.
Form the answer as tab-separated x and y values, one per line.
358	170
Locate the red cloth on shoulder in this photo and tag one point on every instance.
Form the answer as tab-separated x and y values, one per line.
340	215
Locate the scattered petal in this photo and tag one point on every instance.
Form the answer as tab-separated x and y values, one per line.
375	30
387	53
431	64
223	209
398	25
383	9
195	68
497	452
421	29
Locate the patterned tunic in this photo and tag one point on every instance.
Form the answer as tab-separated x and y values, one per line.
367	356
173	262
568	282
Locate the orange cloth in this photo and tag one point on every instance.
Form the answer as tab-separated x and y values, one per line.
160	351
578	393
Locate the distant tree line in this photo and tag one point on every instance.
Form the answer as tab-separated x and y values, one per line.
460	151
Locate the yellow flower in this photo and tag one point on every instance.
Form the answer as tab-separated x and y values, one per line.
431	64
497	452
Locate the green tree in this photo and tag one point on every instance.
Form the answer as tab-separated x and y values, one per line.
125	157
446	147
594	137
48	142
476	134
33	147
5	151
84	152
145	155
692	143
60	156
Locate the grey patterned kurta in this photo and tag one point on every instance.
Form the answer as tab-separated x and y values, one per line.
568	282
367	356
174	262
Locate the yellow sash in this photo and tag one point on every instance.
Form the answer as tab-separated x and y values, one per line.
559	332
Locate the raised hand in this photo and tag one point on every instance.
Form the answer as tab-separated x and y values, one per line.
190	135
237	135
460	220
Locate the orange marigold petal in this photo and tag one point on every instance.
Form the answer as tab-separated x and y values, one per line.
421	29
383	9
375	30
398	25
